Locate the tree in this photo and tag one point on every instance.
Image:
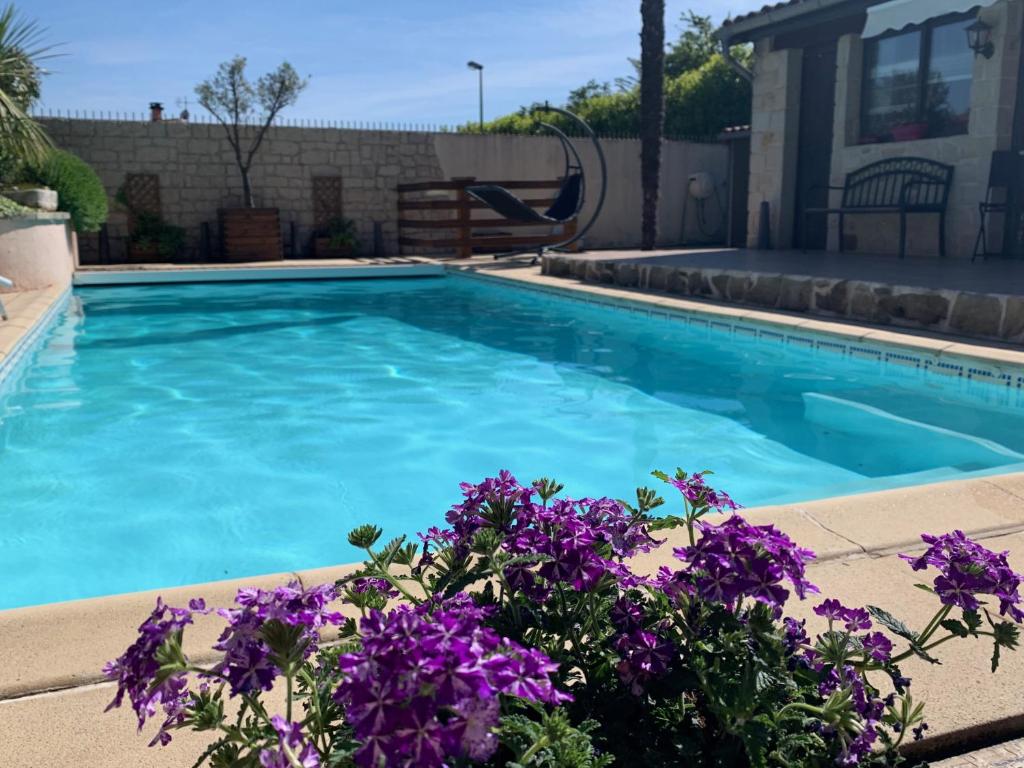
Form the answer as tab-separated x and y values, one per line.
235	103
21	51
695	46
652	113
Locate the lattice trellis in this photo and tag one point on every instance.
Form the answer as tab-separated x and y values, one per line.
326	199
142	191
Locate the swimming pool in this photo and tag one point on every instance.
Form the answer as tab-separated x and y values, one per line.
159	436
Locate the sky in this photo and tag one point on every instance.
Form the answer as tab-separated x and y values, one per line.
366	60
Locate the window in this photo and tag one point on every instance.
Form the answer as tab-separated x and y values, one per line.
917	84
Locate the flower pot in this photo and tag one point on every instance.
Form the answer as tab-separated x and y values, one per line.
250	234
909	132
322	249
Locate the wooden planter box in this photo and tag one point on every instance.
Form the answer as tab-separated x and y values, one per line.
322	249
250	234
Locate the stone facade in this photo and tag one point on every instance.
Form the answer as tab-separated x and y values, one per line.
774	136
776	141
974	315
197	173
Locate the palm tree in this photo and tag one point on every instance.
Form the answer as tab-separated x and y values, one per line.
21	52
652	113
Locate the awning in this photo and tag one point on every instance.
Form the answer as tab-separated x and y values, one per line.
898	14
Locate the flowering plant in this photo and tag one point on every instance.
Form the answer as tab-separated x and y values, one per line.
524	634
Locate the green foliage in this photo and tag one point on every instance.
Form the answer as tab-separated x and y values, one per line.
703	95
79	189
695	46
152	233
341	233
21	51
10	209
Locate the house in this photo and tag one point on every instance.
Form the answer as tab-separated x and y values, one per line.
839	84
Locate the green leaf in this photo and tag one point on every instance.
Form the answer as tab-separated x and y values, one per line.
973	620
926	588
955	627
893	624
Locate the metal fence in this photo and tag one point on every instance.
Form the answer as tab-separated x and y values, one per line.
204	118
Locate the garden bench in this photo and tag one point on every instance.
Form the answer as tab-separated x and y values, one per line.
900	185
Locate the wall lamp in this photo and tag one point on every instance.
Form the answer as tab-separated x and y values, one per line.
979	39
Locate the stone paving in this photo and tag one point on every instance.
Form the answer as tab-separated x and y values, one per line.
1008	755
952	297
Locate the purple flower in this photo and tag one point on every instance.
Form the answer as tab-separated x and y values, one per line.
700	495
246	663
135	671
857	743
855	619
968	570
645	657
383	586
877	646
423	689
736	560
292	750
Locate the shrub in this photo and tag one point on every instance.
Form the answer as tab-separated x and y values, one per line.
10	209
79	189
520	636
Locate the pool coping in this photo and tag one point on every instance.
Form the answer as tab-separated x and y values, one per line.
930	353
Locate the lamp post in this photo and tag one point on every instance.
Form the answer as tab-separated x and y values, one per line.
480	70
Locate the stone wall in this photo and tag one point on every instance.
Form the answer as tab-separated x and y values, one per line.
197	173
775	142
975	315
774	135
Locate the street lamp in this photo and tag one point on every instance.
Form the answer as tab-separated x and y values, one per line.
480	69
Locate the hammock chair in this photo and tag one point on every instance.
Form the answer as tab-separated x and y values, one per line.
568	204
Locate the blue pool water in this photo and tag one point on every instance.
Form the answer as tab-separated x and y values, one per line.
169	435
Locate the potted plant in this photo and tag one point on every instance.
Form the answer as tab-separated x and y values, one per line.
153	239
249	233
337	240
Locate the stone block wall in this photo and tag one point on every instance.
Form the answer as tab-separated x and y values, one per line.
774	133
198	175
975	315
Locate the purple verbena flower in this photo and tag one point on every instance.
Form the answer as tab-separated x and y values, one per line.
854	619
293	751
246	664
877	646
700	495
735	560
422	690
135	671
968	570
645	656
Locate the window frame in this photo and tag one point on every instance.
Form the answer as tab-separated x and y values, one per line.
926	29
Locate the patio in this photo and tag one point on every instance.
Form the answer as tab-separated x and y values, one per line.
948	296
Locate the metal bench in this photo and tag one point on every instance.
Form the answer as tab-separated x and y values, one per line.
900	185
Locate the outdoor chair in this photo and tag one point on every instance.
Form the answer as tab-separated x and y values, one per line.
1001	174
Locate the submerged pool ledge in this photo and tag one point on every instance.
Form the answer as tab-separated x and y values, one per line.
54	652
